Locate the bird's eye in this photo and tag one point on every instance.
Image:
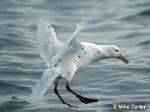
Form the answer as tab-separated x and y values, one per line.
117	50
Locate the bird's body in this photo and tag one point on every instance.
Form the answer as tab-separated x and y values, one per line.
76	58
65	59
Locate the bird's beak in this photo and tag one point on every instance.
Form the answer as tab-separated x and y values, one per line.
123	58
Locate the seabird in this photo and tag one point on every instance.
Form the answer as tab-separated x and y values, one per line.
65	59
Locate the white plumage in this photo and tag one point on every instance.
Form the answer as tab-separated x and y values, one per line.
64	60
47	42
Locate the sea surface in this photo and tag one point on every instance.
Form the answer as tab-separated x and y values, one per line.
125	23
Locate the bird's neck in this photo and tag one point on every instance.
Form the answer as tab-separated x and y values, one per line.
99	53
104	51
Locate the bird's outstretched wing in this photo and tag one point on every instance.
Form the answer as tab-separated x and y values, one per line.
72	40
72	46
69	55
47	42
43	84
71	49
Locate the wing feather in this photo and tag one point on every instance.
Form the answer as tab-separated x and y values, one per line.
44	83
72	40
47	42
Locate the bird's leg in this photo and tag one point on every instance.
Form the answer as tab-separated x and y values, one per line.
81	98
61	99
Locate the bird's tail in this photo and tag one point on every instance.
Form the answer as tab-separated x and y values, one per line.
43	84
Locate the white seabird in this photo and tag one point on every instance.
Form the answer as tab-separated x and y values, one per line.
65	59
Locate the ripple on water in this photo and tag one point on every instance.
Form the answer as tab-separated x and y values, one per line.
123	23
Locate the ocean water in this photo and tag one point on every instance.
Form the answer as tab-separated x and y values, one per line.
124	23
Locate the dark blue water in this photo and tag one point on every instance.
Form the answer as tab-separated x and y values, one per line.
124	23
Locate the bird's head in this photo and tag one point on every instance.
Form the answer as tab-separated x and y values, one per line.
113	51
